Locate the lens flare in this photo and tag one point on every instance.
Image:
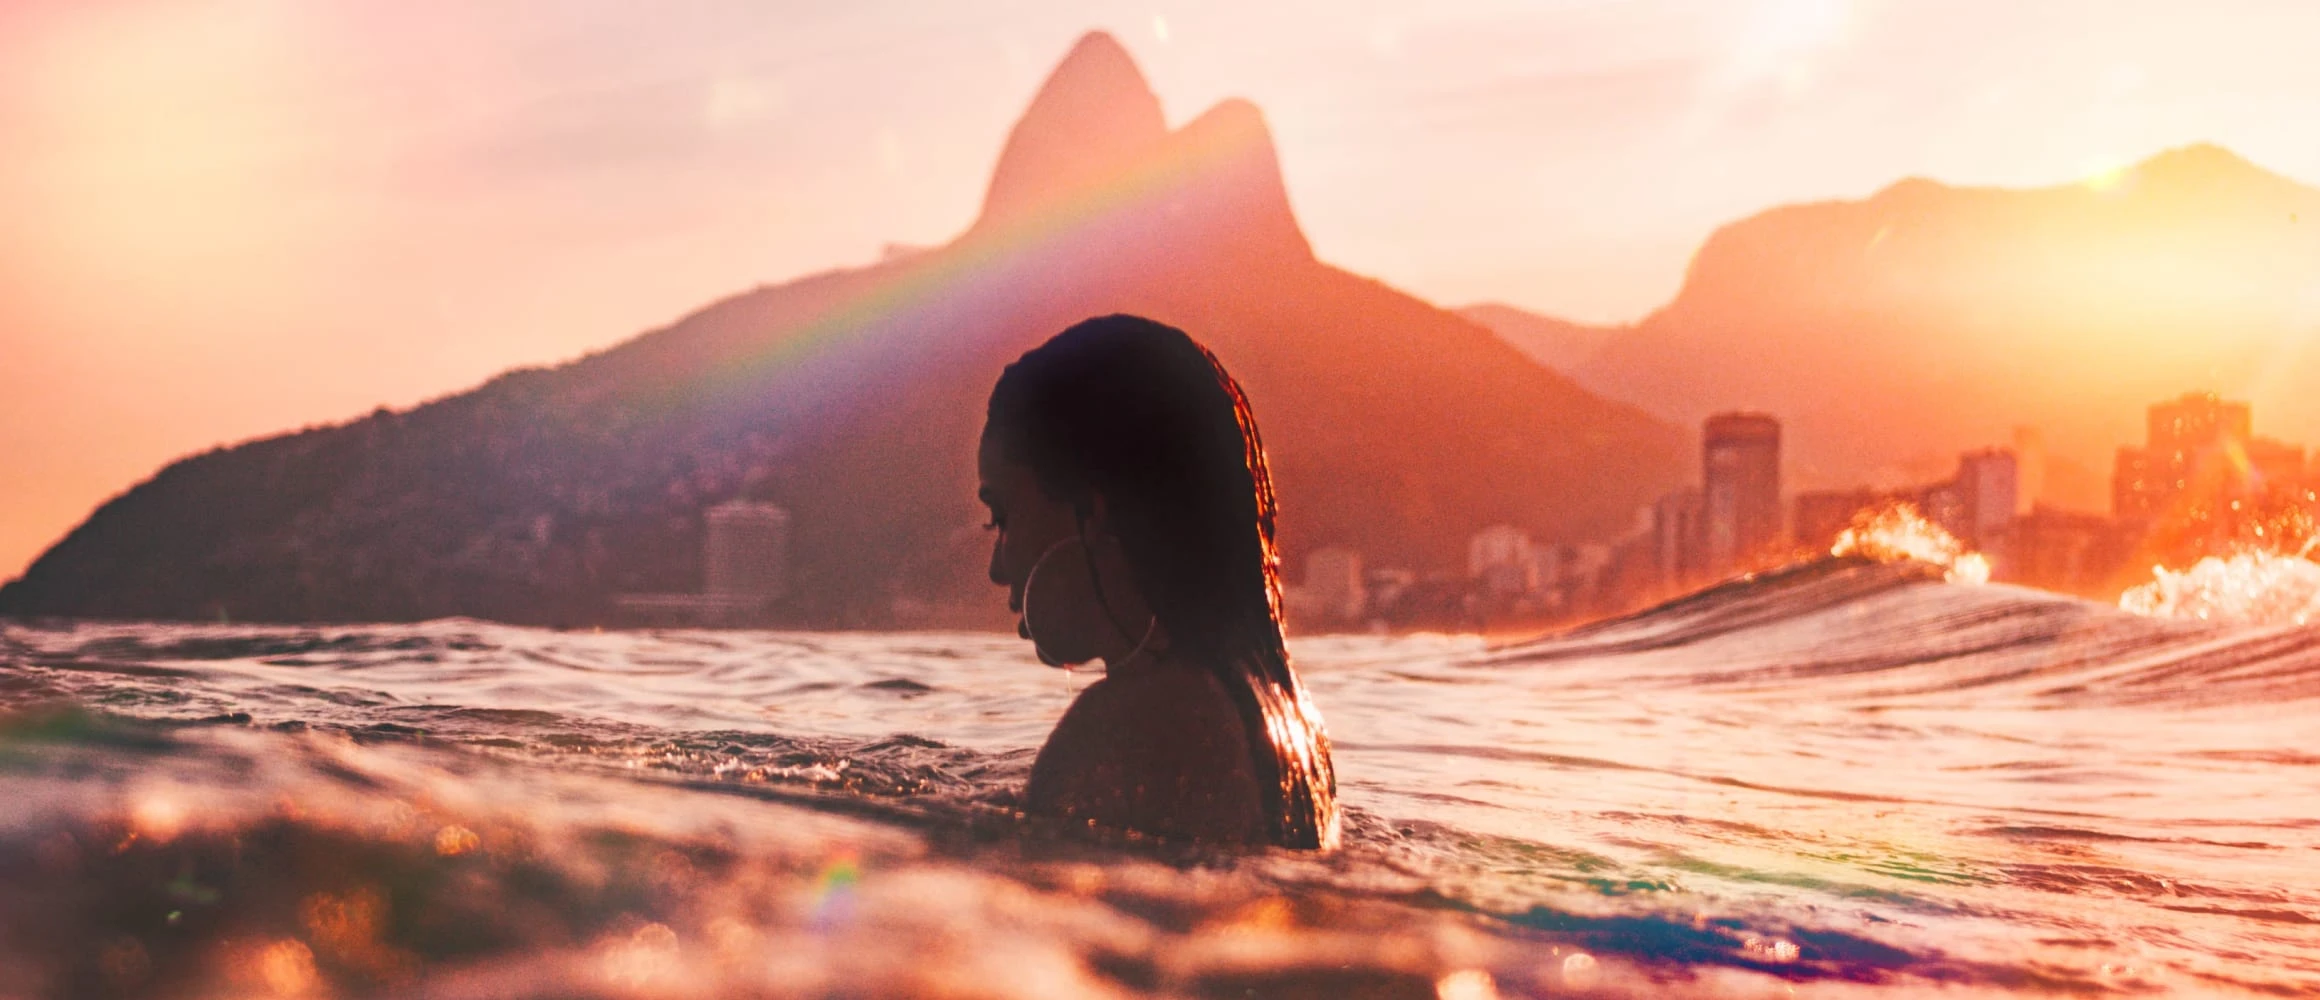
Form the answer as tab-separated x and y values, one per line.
286	968
646	959
833	900
2106	174
1580	971
1467	984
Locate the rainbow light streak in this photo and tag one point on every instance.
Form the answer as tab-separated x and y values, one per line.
977	261
834	890
2236	453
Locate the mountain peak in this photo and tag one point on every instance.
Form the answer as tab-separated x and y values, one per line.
1909	190
1093	152
1093	116
2197	156
2201	165
1099	56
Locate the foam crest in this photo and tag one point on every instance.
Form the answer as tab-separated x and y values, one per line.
2252	587
1899	533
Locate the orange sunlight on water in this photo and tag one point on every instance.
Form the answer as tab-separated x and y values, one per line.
244	217
2251	587
1899	533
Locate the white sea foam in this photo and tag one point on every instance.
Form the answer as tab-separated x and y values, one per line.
2249	588
1899	533
1851	777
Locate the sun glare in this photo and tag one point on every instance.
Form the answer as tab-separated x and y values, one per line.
1781	33
2105	174
1776	42
1803	24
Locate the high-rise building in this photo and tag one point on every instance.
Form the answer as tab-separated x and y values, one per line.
2182	431
1334	585
1987	488
2067	551
2199	449
2137	494
1676	536
1500	558
745	551
1740	491
2273	464
1823	515
2029	469
1551	567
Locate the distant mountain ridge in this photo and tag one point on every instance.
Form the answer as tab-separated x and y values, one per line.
1559	344
853	399
1927	318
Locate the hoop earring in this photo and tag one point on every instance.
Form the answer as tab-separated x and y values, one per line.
1140	643
1095	580
1030	580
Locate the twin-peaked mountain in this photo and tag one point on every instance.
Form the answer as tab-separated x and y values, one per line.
853	399
1894	331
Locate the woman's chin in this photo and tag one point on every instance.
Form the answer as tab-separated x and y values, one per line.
1049	658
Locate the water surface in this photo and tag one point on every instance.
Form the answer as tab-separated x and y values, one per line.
1846	778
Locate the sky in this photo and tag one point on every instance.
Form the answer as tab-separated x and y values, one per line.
230	219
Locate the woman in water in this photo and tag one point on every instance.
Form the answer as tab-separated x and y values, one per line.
1135	525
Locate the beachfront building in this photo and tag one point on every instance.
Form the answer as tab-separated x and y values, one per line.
1333	587
744	571
1986	487
1740	490
745	550
1822	515
2197	450
1677	533
1502	562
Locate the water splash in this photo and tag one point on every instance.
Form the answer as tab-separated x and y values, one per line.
1899	533
2252	587
1975	791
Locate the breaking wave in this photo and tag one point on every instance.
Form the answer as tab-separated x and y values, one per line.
2250	588
1899	533
1846	776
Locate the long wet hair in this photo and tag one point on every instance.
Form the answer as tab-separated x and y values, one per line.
1141	413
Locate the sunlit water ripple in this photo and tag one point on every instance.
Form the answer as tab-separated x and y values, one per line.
1843	778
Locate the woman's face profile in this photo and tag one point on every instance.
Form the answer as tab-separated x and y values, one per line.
1039	553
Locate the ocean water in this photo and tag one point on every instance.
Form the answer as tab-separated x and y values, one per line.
1847	778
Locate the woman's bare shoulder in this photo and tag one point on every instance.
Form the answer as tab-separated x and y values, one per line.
1169	702
1162	749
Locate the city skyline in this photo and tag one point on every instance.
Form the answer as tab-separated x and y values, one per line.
1031	498
235	233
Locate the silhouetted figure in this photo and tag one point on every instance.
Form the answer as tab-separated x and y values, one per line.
1134	514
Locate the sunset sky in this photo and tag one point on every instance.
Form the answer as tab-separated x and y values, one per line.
234	218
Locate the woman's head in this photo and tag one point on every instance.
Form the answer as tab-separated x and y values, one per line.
1126	436
1129	488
